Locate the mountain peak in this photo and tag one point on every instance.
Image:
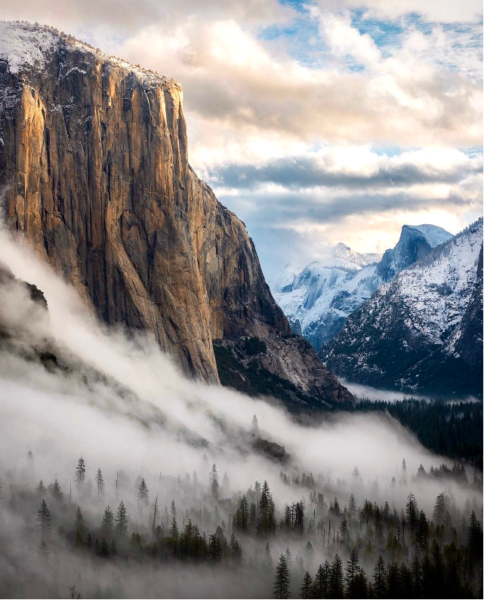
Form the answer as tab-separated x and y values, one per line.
434	234
25	45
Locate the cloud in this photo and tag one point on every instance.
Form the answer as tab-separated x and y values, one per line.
352	167
267	85
433	10
131	16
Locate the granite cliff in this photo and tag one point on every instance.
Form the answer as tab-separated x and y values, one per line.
94	165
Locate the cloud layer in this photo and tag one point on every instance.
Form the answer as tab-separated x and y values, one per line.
355	116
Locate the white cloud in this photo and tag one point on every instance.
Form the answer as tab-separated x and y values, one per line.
434	10
250	101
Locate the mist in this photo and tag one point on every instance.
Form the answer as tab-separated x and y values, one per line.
113	398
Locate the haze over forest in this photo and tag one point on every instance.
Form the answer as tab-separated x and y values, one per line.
241	299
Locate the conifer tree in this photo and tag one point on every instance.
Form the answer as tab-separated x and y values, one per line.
344	531
55	490
321	581
440	509
255	426
352	569
99	484
155	515
241	519
235	549
412	512
174	529
40	488
44	522
107	523
80	473
143	491
281	582
379	579
336	587
214	484
214	548
80	526
306	586
121	522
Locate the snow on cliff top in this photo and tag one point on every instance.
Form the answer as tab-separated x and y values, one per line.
25	44
433	234
29	44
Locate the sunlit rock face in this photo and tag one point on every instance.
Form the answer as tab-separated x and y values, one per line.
94	164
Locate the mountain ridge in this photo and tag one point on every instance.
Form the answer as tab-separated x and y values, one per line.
421	331
321	296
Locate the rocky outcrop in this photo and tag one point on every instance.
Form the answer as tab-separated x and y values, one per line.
416	242
95	169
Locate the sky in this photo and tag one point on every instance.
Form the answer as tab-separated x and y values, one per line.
316	122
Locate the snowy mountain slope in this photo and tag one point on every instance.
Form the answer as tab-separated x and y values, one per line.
318	299
420	331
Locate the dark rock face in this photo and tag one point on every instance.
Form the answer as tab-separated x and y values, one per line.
422	332
412	246
95	167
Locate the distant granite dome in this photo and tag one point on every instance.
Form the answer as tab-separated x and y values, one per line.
422	331
415	242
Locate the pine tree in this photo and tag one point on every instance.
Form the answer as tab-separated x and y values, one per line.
255	426
143	491
99	484
40	488
421	531
174	529
438	516
214	484
352	569
107	523
241	519
321	581
352	506
155	515
474	538
266	520
306	586
412	512
56	492
379	579
80	526
44	522
336	588
235	549
281	582
214	548
344	531
121	522
80	473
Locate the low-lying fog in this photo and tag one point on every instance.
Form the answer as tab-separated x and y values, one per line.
123	405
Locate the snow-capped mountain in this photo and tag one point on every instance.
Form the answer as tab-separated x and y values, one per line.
415	242
422	331
318	299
